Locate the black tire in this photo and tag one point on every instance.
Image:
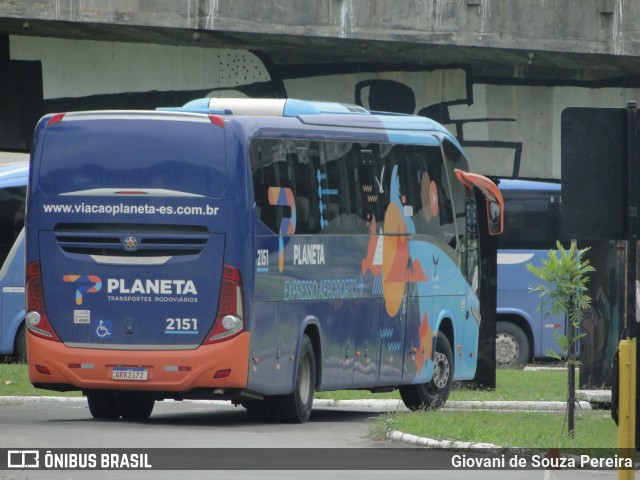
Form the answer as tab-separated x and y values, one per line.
296	406
262	411
135	406
21	345
103	405
434	394
512	346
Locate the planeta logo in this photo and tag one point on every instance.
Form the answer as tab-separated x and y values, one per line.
85	284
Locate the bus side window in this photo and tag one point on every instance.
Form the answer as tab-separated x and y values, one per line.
307	199
367	164
436	217
356	205
338	189
409	178
270	169
455	159
12	202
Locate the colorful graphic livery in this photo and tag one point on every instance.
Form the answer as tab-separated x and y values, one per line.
252	250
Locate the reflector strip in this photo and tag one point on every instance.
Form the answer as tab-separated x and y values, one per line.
152	192
134	115
43	370
222	373
176	368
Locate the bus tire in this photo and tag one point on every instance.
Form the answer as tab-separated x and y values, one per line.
296	406
434	394
103	405
21	345
261	411
512	346
135	406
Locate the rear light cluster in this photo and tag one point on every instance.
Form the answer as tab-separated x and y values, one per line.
36	318
217	120
230	318
57	118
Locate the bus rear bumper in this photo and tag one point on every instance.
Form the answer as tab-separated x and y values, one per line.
221	365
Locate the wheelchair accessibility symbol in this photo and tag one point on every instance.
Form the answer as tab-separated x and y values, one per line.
104	328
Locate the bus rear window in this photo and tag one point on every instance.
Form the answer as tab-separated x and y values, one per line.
532	220
163	154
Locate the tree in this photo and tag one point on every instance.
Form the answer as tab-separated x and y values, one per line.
565	275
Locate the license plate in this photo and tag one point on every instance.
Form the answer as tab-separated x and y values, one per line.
135	374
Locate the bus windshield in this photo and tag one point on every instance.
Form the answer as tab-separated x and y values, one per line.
112	154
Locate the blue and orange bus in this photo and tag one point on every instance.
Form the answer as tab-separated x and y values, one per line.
251	250
525	328
13	192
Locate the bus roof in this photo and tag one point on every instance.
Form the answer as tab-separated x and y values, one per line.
528	184
330	114
270	107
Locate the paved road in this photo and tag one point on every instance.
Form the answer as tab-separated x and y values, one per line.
51	424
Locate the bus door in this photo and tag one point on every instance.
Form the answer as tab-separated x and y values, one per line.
393	317
464	243
435	207
397	231
366	354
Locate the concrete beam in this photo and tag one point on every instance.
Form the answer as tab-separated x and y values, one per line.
580	35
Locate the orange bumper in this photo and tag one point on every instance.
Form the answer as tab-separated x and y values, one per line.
167	370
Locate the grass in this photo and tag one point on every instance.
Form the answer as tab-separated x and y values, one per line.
537	430
519	385
14	381
536	385
593	428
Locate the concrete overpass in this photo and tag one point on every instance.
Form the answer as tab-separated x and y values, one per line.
545	37
497	72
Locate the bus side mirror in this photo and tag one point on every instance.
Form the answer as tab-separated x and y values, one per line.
495	215
492	195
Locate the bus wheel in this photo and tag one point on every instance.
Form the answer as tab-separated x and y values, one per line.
435	393
21	344
296	407
135	406
103	405
512	346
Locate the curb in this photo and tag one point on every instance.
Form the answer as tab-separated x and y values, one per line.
397	436
505	406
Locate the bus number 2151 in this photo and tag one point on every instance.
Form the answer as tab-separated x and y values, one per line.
182	324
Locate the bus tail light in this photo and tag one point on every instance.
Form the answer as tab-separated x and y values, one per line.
230	318
36	318
57	118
